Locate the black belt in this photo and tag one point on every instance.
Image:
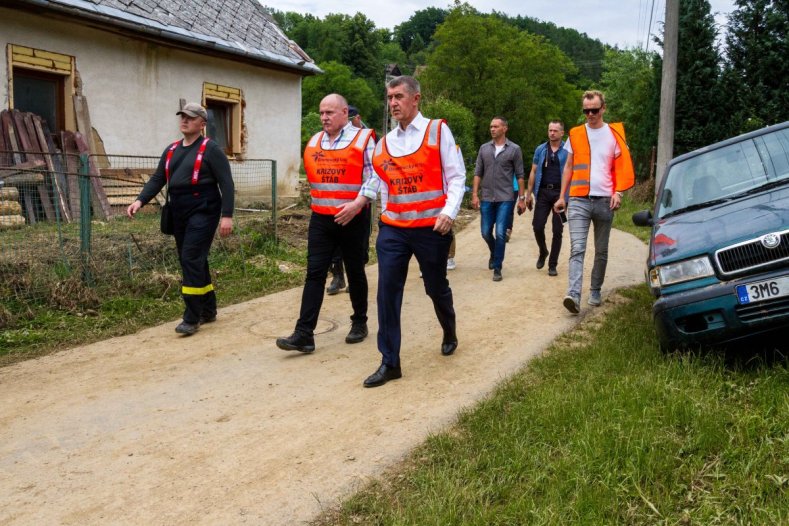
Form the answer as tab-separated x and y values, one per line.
550	186
592	197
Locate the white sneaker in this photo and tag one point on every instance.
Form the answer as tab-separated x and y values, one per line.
451	265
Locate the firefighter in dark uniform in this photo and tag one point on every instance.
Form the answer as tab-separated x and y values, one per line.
200	188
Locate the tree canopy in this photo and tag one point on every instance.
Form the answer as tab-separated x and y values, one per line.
474	66
757	73
491	68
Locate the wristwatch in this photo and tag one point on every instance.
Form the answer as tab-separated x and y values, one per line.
521	198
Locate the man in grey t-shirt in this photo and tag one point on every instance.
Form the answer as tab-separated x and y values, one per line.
497	162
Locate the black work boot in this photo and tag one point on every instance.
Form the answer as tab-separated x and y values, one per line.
297	342
336	286
357	333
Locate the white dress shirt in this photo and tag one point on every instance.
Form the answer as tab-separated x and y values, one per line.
402	142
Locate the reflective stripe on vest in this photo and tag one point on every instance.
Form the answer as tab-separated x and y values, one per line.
622	171
197	165
335	176
415	181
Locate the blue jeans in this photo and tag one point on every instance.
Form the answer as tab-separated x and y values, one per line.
495	213
581	212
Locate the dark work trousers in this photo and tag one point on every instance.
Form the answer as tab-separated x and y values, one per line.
395	246
336	259
323	237
543	208
195	218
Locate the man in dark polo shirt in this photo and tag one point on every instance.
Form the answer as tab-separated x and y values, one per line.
545	182
497	162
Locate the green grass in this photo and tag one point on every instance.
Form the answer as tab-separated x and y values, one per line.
623	217
604	429
136	282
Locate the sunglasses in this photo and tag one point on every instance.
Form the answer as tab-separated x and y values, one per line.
591	111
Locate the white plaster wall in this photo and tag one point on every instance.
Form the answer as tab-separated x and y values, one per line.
133	88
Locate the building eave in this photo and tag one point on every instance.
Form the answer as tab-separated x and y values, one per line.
115	20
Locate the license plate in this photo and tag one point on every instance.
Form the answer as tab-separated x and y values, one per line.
763	290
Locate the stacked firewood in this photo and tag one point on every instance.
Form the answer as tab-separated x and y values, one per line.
10	209
45	176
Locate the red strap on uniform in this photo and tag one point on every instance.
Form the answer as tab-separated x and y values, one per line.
198	160
167	162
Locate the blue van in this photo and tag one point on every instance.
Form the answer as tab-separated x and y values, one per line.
718	259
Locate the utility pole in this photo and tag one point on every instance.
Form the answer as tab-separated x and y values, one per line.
668	90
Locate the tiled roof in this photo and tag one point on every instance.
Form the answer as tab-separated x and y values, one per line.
241	27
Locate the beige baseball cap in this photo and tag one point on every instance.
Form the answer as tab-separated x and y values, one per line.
193	109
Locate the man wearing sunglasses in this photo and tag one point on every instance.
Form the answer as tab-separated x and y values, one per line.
597	171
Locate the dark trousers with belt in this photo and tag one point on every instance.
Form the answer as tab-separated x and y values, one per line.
323	238
395	246
195	218
543	208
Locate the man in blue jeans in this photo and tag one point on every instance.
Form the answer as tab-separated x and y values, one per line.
497	162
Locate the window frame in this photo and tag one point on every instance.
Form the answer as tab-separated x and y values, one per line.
33	62
233	100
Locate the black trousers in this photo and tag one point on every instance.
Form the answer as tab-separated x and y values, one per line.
195	218
323	238
543	208
395	246
336	259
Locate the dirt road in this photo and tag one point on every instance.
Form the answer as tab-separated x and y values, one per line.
224	428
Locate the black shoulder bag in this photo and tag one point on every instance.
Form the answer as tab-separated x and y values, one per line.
166	220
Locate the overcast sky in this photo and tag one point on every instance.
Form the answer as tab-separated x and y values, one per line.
624	22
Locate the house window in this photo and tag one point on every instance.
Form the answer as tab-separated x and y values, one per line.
42	82
41	94
224	105
220	124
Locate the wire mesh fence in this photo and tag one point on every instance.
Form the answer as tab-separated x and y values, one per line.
65	239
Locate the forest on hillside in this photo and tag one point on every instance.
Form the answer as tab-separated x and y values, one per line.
474	65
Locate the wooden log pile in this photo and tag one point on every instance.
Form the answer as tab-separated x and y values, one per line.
10	209
46	177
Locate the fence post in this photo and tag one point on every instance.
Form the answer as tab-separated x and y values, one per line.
85	216
274	198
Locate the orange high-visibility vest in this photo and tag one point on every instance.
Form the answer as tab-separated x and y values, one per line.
622	170
335	176
415	181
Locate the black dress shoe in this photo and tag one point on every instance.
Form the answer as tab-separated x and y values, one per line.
541	261
490	263
448	347
297	342
552	271
357	333
383	375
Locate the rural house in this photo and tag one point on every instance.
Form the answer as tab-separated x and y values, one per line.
134	61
